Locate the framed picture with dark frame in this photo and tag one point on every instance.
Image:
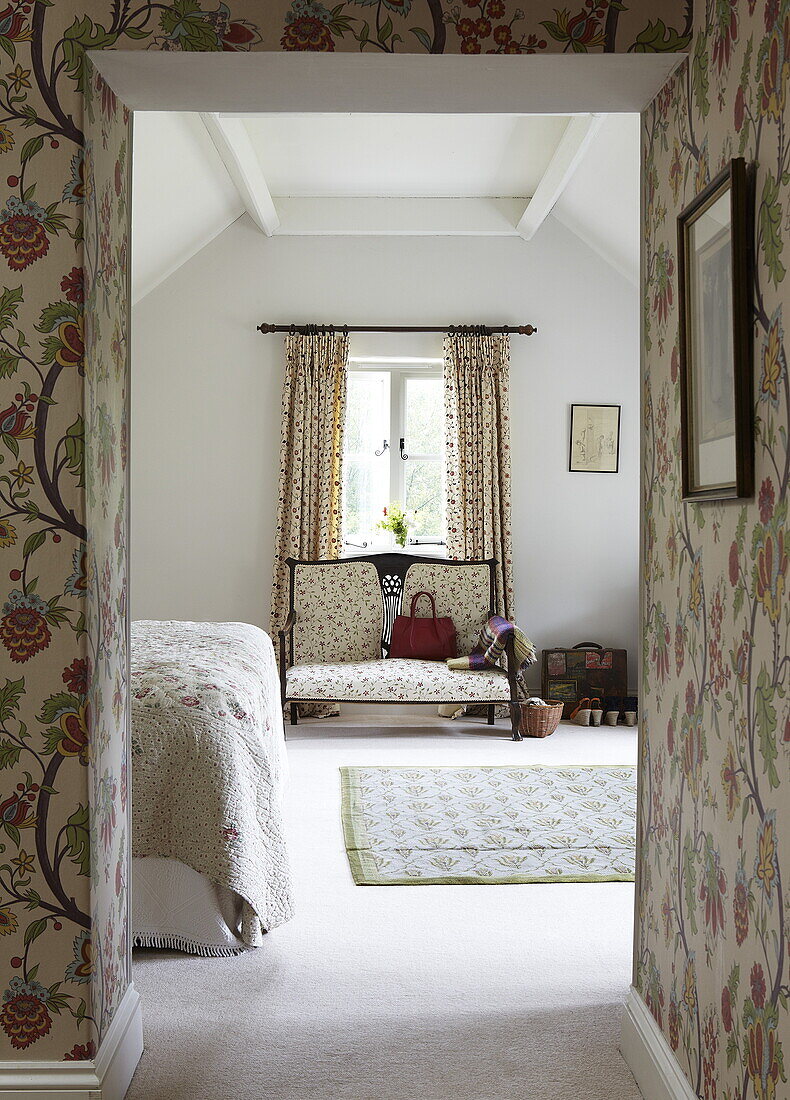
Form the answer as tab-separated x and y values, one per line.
715	305
595	439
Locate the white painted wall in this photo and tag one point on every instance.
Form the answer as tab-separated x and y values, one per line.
206	411
183	197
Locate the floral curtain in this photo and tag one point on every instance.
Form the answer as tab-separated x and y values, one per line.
477	453
309	520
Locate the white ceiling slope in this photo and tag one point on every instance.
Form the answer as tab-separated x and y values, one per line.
182	196
373	175
600	203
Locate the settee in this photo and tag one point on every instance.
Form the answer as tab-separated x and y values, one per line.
335	642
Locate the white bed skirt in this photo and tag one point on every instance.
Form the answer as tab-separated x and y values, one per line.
175	907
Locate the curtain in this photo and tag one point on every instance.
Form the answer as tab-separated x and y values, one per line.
477	454
309	512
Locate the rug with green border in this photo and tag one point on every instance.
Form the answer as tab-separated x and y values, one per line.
489	825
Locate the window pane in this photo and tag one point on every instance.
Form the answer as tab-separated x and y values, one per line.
365	474
425	496
424	416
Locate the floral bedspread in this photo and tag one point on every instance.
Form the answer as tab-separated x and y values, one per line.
208	760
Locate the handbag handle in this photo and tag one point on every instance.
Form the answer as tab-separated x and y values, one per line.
413	617
587	645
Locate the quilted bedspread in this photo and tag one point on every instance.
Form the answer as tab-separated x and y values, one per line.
208	760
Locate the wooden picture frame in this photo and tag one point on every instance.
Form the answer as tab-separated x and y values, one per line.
594	439
715	332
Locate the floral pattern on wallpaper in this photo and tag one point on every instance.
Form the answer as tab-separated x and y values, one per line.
713	939
63	441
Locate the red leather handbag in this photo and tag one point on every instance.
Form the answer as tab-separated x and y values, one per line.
423	639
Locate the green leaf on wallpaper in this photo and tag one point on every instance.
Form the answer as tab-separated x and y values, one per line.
733	1053
699	75
33	542
422	37
78	839
659	38
9	304
31	147
9	754
83	35
385	31
740	530
9	363
188	23
737	602
766	724
690	881
10	694
34	930
74	445
699	516
770	218
52	708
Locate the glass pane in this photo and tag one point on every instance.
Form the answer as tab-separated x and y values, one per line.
424	416
425	496
365	474
712	375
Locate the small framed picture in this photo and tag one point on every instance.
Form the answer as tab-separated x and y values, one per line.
595	439
716	403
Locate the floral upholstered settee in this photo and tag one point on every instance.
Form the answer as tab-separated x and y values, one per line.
334	644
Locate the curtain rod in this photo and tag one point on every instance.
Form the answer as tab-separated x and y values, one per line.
515	330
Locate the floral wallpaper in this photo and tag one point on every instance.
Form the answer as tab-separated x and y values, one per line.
712	959
64	167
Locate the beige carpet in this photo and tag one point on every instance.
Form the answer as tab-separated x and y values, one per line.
445	993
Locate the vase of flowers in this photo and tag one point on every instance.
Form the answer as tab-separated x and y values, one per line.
395	521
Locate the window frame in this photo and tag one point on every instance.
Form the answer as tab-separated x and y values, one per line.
398	372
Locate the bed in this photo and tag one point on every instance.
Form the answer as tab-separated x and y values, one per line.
210	869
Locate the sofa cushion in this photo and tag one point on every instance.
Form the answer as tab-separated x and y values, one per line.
339	612
396	680
462	590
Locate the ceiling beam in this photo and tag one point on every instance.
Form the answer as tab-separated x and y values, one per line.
238	155
579	133
406	217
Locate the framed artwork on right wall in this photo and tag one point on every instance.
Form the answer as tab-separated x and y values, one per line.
715	308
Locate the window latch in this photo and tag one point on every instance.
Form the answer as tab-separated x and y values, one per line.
384	447
403	454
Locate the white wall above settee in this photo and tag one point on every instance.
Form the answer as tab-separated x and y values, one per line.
206	411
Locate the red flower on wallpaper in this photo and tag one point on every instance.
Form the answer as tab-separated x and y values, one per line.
81	1052
770	572
15	420
16	811
23	238
74	725
73	285
77	676
726	1009
766	501
23	626
24	1016
72	340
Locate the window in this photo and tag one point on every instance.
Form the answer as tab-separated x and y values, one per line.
394	451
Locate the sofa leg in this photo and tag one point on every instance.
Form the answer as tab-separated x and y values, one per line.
515	720
294	714
491	713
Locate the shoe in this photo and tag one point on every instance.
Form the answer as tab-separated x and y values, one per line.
596	712
611	710
581	713
630	710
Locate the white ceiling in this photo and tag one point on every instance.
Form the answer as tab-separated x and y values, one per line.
380	174
173	221
404	156
600	203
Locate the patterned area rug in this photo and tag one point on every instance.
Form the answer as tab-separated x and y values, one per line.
475	826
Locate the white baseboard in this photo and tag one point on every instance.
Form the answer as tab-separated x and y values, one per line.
649	1055
106	1078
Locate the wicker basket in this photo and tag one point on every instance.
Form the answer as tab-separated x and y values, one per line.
540	721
